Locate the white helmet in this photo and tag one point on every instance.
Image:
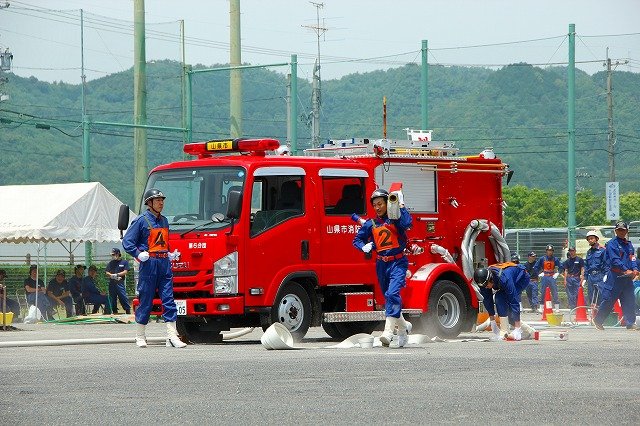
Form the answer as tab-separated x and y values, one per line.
592	234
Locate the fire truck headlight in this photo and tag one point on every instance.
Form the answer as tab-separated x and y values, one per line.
225	273
225	285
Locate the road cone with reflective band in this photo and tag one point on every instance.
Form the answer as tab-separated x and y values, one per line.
581	310
618	310
548	305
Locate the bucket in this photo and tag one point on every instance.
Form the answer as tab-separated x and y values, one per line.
277	337
8	318
555	319
611	320
366	342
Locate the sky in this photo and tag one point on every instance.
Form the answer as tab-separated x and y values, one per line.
361	36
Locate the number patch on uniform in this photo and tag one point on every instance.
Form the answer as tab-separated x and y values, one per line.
181	306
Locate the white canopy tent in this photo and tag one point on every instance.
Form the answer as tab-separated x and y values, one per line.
72	212
59	212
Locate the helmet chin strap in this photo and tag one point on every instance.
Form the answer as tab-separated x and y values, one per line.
157	213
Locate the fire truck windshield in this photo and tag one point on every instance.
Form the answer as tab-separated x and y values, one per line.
195	195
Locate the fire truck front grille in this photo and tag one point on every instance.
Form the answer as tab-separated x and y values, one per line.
184	273
187	284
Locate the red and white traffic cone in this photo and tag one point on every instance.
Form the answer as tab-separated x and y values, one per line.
548	305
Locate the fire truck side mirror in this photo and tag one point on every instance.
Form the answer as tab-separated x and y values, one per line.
234	204
123	217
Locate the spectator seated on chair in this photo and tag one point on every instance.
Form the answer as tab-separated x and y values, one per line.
75	287
91	294
33	285
351	201
58	292
12	305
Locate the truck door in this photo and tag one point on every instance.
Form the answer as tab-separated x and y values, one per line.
343	193
280	234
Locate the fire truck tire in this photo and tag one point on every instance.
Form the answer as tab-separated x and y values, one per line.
447	311
193	332
292	309
342	330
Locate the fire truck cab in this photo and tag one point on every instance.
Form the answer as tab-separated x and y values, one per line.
268	238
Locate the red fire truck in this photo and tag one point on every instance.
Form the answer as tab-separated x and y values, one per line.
268	238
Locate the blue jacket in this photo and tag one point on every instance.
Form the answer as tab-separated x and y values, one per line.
513	280
539	266
573	266
365	233
136	239
594	262
620	256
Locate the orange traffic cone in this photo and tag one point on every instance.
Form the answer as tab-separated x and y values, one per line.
581	310
548	305
618	310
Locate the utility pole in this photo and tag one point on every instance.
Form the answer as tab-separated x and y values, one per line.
139	102
5	63
235	76
571	130
316	84
86	134
611	135
424	86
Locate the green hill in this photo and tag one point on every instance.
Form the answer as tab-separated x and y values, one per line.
520	110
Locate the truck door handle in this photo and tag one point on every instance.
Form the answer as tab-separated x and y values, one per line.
304	250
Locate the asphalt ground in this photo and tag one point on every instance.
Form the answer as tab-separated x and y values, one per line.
592	378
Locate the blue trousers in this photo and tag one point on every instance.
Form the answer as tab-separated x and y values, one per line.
593	283
45	305
532	293
117	292
549	281
573	286
622	289
68	305
97	300
155	274
392	278
498	303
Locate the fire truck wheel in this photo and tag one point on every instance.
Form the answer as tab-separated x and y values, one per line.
447	311
194	333
342	330
292	308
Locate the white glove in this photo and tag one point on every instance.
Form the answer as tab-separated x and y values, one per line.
494	328
367	247
541	274
584	283
174	255
516	334
119	278
113	276
555	275
143	256
604	279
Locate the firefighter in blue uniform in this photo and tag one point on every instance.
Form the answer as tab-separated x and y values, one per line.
501	285
545	267
532	288
573	273
622	267
594	266
388	238
147	240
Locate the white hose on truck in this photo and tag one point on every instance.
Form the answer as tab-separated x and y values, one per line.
499	245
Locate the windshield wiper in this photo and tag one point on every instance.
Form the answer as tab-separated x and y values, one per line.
216	218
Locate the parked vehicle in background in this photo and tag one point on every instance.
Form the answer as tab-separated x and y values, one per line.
525	240
605	233
634	233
